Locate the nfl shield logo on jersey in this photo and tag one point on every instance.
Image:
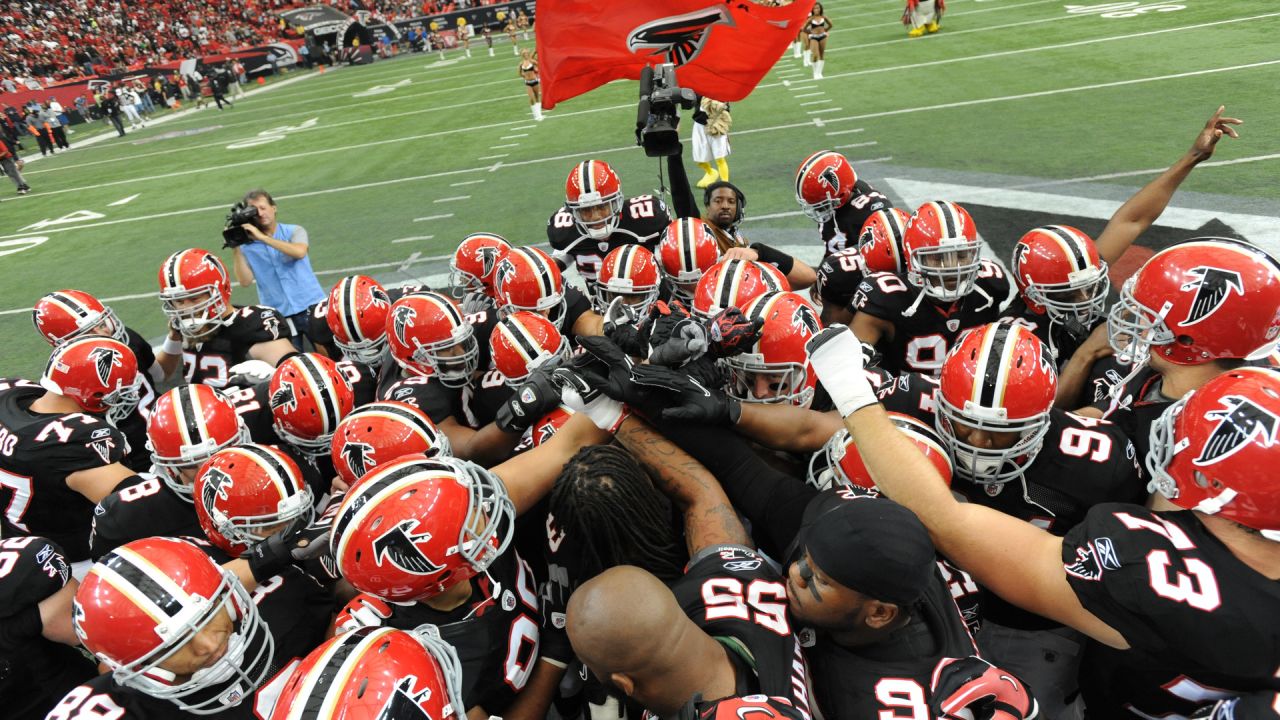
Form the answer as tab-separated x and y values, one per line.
953	325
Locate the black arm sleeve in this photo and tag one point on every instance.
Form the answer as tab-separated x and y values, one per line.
682	199
772	501
775	257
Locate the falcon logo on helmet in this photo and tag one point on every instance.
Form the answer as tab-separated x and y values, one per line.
804	319
404	703
402	320
401	548
105	358
679	37
358	457
1239	422
830	177
488	256
1212	286
217	484
284	397
379	296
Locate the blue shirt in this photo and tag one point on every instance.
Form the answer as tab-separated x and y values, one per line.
288	285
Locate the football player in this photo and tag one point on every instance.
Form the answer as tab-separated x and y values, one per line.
380	432
427	541
309	396
208	336
1182	593
879	249
830	193
68	314
471	270
914	318
686	251
596	218
528	279
59	450
38	662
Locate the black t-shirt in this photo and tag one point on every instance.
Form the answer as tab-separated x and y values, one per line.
1195	616
495	633
34	672
921	341
642	221
842	231
208	362
37	453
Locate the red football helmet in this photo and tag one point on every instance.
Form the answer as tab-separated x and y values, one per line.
147	599
776	369
942	250
522	342
195	292
377	433
244	494
309	397
1000	379
734	283
838	464
100	374
593	194
824	182
881	241
68	314
1209	450
1060	274
384	672
629	272
186	427
528	279
415	527
472	265
549	425
687	250
1202	300
429	335
357	317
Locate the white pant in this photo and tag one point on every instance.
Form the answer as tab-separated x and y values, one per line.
925	13
708	148
132	113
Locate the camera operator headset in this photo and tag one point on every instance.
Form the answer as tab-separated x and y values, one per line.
724	203
273	256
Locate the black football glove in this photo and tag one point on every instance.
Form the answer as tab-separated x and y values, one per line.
731	333
531	401
304	545
675	336
689	399
623	326
971	688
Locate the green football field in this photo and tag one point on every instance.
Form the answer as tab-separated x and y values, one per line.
1026	111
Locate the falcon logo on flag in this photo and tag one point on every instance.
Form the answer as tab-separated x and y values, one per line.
678	38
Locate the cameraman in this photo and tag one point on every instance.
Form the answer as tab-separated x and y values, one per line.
276	259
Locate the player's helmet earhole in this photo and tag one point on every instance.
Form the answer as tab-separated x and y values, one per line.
1201	480
376	522
1186	340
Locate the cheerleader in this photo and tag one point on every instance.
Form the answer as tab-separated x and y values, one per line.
522	24
528	71
488	38
818	27
510	29
464	35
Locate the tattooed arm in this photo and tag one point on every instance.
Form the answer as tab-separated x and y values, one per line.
709	519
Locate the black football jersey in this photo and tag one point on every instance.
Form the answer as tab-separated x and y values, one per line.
842	231
363	379
1200	623
921	340
839	275
1140	404
37	453
34	672
739	598
577	304
474	405
1062	339
134	425
209	362
643	219
496	633
253	405
141	507
146	358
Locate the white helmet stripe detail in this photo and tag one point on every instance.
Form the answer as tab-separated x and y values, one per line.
271	464
1072	246
323	391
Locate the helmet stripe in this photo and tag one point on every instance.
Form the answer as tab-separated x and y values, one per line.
322	389
804	171
543	272
948	218
276	470
149	588
447	307
171	268
992	363
332	670
685	233
519	334
898	231
187	414
728	282
585	175
410	418
1071	244
68	303
623	261
350	310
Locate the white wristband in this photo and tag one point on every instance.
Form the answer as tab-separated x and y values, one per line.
171	346
837	360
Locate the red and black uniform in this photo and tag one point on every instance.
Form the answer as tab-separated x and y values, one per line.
496	632
1200	623
208	362
922	338
1062	339
34	672
842	231
143	506
643	219
37	453
839	275
1141	401
134	425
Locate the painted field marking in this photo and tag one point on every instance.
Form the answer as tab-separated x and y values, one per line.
816	102
824	110
813	94
123	201
412	239
433	217
493	157
845	132
466	182
856	145
504	146
513	137
455	198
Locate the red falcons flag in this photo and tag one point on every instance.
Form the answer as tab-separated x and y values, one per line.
720	49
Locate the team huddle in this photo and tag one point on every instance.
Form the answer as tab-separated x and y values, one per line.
709	482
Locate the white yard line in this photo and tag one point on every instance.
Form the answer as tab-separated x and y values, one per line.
413	238
455	198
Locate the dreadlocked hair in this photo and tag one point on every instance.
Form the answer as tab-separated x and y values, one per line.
605	502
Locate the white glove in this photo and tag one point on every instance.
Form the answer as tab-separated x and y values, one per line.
580	397
836	356
249	372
